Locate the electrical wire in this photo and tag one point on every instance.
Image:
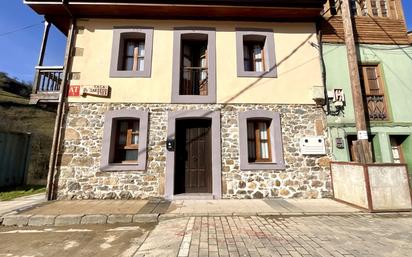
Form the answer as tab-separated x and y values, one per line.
20	29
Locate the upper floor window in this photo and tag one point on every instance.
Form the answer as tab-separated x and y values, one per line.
133	59
131	52
373	92
255	53
194	65
194	71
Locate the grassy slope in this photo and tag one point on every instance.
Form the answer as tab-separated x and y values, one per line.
12	98
11	193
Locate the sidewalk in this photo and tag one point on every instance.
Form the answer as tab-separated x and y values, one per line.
21	203
135	211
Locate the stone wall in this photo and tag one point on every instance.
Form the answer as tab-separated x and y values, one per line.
79	175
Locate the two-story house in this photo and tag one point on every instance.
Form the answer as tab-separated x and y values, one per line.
385	65
201	99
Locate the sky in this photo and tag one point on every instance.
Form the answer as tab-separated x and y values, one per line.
19	51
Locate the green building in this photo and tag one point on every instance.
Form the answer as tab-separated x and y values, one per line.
385	68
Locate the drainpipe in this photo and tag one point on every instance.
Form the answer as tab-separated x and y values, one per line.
51	178
322	63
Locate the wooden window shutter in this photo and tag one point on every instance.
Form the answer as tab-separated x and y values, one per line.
371	79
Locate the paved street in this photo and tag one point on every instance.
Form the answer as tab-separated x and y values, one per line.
351	235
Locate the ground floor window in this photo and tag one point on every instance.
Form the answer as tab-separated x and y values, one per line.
397	148
258	133
260	140
127	141
124	140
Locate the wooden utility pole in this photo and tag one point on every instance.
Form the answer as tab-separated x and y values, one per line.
362	148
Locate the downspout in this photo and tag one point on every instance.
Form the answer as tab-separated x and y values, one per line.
325	90
51	178
323	66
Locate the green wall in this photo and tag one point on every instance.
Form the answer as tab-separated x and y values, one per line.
396	69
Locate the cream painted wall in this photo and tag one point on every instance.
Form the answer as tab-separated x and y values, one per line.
297	60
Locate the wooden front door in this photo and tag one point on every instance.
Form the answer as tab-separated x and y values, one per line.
193	171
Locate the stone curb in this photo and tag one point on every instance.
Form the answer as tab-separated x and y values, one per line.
76	219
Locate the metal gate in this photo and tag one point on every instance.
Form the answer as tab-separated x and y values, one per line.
14	158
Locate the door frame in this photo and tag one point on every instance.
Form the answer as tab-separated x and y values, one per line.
214	116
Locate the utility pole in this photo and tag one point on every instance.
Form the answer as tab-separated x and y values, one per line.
362	148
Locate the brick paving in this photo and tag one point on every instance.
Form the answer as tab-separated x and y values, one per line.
322	236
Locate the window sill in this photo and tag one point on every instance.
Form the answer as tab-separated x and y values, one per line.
262	166
121	167
254	74
129	74
195	99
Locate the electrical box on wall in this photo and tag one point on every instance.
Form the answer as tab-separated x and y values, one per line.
312	145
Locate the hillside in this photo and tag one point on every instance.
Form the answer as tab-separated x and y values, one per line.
18	116
11	88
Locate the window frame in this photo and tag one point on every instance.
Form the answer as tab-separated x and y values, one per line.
128	140
211	64
275	137
382	87
109	140
257	140
120	35
270	69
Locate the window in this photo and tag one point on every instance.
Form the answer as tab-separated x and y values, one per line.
258	137
255	53
260	140
373	92
397	145
131	52
127	141
194	65
133	59
124	140
253	56
194	68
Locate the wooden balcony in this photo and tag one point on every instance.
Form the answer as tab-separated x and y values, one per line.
47	84
374	22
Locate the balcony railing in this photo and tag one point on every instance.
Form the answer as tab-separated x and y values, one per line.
194	81
47	83
376	107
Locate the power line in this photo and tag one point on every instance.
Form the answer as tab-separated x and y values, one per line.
20	29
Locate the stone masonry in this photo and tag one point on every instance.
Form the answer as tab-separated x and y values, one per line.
79	175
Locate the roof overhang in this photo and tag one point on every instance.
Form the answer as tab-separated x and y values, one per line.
60	12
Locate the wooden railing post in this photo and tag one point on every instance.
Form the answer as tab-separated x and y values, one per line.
44	42
36	81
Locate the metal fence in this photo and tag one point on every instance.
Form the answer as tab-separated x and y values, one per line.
14	158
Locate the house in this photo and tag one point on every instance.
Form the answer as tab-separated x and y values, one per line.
195	99
385	62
